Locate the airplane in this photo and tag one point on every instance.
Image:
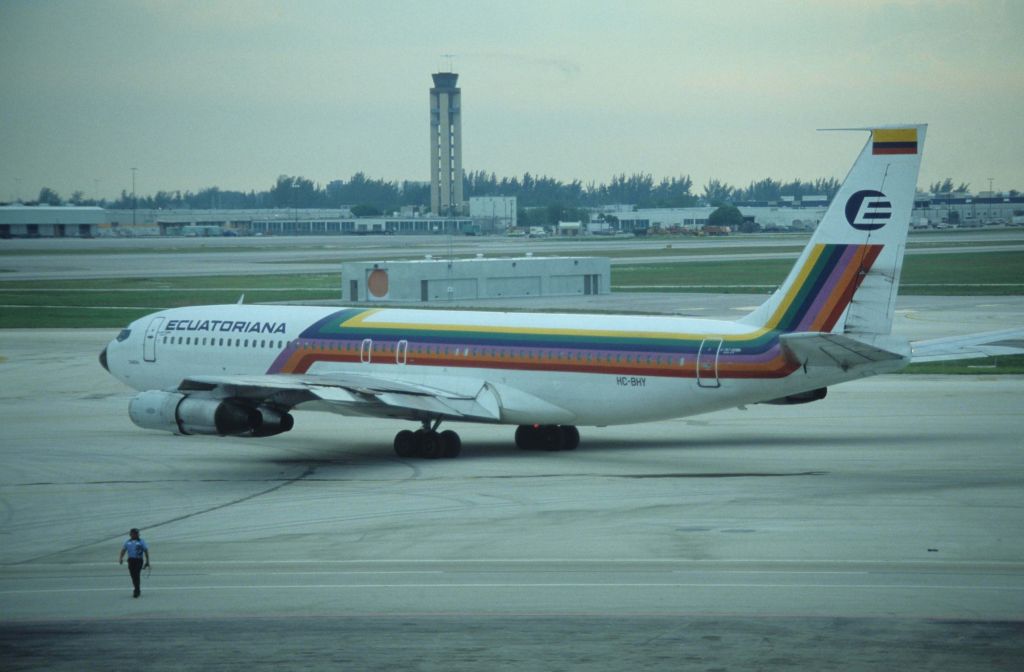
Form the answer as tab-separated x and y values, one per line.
240	370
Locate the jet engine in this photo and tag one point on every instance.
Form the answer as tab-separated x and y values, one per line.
186	414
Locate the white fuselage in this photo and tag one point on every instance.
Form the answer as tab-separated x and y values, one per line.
543	368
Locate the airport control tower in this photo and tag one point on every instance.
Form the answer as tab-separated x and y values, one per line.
445	145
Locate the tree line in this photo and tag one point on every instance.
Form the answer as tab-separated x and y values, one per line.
375	196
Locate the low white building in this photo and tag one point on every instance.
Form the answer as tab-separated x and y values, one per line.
51	221
493	214
570	229
768	217
431	280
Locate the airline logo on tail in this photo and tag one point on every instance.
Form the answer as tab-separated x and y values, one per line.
868	210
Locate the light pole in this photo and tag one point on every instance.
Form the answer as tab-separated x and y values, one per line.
135	202
991	201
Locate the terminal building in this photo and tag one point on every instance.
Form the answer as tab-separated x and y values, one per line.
396	225
438	280
279	222
930	211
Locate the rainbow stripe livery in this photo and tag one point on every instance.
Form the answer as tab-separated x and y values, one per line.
828	281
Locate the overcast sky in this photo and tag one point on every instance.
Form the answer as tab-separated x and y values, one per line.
233	94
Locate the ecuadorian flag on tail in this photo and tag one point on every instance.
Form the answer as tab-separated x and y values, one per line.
894	141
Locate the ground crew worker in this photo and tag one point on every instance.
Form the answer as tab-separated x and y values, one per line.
137	550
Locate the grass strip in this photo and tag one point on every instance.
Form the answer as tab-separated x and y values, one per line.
968	274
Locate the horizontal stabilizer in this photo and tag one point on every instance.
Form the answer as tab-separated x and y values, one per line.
973	346
835	350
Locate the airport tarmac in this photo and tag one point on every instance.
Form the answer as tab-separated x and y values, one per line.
879	528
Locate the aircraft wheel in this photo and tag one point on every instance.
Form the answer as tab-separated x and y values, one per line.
430	445
551	438
547	437
526	437
405	444
451	444
570	437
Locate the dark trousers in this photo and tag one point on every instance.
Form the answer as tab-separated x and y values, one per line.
135	569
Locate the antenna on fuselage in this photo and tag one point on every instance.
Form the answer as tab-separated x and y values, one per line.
241	299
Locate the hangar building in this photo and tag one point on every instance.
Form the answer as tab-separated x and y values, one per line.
431	280
45	221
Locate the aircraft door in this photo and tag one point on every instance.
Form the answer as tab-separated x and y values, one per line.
149	340
366	351
401	351
707	362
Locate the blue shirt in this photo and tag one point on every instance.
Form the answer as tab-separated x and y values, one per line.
135	548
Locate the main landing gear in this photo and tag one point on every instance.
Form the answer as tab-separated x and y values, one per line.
428	442
547	437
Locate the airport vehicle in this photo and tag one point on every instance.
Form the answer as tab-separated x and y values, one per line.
239	370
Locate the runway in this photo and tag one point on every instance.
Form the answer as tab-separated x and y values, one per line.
877	528
74	259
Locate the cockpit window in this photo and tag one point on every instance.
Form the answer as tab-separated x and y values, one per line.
123	336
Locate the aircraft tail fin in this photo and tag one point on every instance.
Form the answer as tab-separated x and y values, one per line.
846	278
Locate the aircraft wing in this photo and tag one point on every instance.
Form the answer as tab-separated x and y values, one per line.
972	346
356	394
835	350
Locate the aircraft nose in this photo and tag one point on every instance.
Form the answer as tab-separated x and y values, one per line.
103	360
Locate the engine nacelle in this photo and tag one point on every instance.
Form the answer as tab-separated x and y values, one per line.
273	422
185	414
800	398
